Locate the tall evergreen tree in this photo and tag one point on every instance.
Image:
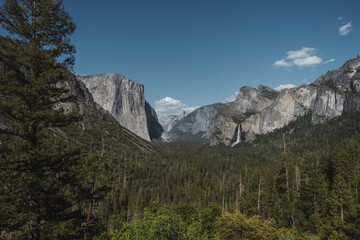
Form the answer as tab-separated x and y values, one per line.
36	163
286	195
313	193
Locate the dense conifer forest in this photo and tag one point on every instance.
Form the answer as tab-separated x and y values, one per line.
71	175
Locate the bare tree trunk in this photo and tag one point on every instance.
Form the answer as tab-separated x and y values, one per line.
88	219
103	147
158	195
128	215
284	143
240	192
259	195
341	210
356	183
223	198
124	180
109	228
356	186
287	177
91	204
237	201
297	177
34	221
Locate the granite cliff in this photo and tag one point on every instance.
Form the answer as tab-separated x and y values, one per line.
194	126
125	100
248	102
329	96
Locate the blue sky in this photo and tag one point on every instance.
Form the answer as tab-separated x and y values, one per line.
202	51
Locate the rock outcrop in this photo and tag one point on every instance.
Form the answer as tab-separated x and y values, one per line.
329	96
322	102
254	100
125	100
223	125
248	102
195	126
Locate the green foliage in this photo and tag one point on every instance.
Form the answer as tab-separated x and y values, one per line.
187	212
313	194
301	198
38	184
208	218
237	226
161	224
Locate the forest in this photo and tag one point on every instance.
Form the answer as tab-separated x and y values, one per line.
67	173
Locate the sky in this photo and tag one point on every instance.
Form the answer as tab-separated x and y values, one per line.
191	53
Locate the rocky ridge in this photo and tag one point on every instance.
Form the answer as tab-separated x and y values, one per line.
329	96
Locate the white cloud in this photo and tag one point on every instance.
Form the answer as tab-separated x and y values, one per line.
172	106
340	18
329	61
283	86
307	62
301	58
282	63
230	99
299	54
345	29
167	104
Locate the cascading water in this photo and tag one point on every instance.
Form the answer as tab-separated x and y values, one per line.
238	139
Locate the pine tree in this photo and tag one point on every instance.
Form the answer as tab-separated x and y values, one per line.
342	203
285	184
313	193
36	162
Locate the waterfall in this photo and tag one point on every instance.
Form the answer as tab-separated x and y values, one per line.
238	139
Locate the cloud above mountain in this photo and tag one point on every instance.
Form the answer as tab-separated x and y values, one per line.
301	58
171	105
231	98
284	86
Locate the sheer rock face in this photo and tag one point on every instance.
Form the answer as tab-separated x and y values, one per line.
125	100
195	126
248	102
154	127
254	100
292	103
329	96
223	125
